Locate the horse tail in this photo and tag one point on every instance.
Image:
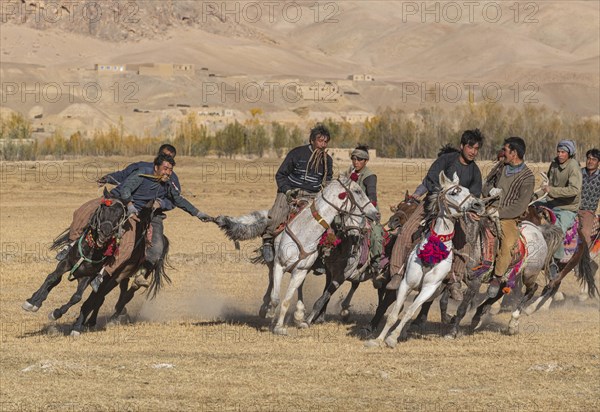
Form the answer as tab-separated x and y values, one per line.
586	271
159	274
244	227
553	235
60	240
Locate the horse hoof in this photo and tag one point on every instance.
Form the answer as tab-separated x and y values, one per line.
512	330
75	334
373	343
29	307
391	342
450	336
280	330
302	325
345	313
559	296
52	316
447	319
262	312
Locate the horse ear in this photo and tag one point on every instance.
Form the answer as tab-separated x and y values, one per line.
406	197
106	194
455	179
443	179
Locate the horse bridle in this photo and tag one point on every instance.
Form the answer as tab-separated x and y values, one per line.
96	224
447	204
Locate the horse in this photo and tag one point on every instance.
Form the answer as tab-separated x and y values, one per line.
93	247
341	265
158	276
430	261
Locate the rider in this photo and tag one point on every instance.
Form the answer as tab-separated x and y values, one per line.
590	194
564	192
368	182
155	250
145	185
461	162
304	171
81	216
514	188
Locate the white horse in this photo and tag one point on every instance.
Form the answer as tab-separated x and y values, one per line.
451	202
297	246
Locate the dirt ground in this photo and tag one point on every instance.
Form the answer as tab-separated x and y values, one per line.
201	345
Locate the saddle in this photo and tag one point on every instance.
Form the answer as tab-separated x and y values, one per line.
571	241
296	206
489	247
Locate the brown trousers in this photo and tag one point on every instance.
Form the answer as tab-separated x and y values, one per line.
587	220
508	239
280	211
81	217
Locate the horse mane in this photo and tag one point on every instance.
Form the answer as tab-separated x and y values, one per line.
431	206
447	148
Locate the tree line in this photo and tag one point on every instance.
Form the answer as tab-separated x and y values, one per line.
394	133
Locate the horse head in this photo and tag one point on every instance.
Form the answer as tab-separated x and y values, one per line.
456	199
402	211
108	218
346	196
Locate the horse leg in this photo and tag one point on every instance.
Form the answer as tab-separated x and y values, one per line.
513	324
125	296
264	308
483	309
345	313
422	316
386	298
92	304
445	318
298	276
426	294
392	317
82	283
300	312
470	294
35	301
320	306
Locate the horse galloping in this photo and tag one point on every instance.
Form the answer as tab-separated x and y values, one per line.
430	261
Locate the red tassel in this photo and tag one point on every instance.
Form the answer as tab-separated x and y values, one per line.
343	195
354	176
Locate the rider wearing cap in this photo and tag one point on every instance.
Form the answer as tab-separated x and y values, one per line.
564	192
367	180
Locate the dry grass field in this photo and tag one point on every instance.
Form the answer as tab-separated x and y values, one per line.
201	345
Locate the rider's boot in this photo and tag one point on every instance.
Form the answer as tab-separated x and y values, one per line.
268	251
64	252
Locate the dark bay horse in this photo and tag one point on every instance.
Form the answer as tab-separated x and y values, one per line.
92	249
158	276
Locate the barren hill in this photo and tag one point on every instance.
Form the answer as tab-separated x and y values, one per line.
258	54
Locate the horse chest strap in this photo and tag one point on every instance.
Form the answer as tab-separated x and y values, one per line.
318	217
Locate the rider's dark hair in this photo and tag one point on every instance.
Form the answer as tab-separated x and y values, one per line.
472	137
161	158
169	147
319	130
518	144
594	153
362	147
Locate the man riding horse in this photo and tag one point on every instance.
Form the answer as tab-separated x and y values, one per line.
367	180
514	186
564	192
146	185
303	173
590	194
461	162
